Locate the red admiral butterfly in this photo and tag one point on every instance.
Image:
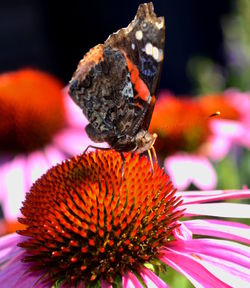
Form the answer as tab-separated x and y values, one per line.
115	83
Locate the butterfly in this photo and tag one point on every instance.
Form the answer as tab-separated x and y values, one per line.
115	83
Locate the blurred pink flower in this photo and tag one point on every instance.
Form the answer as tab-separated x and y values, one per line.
185	169
33	100
190	140
182	126
232	127
113	236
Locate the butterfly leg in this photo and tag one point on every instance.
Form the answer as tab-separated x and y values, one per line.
96	147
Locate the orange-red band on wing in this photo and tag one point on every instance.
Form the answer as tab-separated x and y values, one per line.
140	86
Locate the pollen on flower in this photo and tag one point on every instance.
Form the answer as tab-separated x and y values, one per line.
83	225
31	110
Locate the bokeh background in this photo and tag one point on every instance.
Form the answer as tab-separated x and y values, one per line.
53	35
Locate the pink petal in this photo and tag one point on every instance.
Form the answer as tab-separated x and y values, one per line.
228	129
222	249
8	248
14	187
189	197
229	272
216	147
151	279
177	168
230	210
185	169
190	267
229	258
74	141
221	229
53	155
182	233
37	165
13	275
129	280
204	176
74	114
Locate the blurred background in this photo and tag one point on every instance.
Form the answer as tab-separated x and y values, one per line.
54	36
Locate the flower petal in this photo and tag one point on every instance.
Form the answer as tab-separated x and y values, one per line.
185	169
37	165
216	147
190	267
54	155
14	187
227	260
151	279
14	274
219	228
74	141
129	280
230	210
215	195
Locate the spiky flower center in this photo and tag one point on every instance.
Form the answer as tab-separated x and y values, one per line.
181	124
31	110
85	223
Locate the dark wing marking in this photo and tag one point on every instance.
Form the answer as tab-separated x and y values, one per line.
143	42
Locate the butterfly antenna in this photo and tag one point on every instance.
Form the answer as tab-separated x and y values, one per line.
217	113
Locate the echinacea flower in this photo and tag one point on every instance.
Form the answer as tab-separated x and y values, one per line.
86	225
39	127
183	127
232	128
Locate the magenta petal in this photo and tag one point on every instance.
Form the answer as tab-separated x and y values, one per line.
230	258
214	195
151	279
221	229
54	155
8	248
14	187
190	267
129	280
228	129
13	275
74	114
74	141
37	165
185	169
230	210
182	233
216	147
227	250
177	168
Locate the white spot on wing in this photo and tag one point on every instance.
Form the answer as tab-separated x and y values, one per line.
138	35
149	48
155	53
133	46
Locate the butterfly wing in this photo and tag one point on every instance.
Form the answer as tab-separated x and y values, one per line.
115	83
